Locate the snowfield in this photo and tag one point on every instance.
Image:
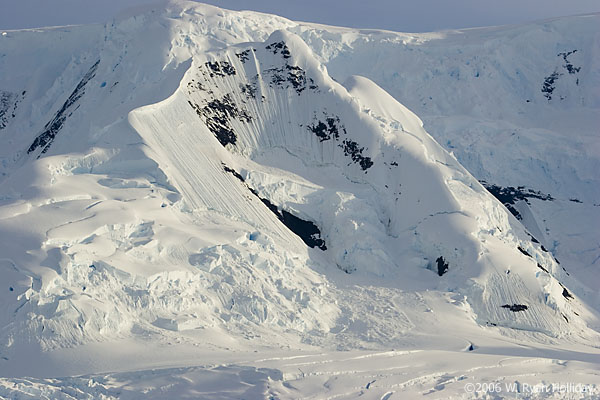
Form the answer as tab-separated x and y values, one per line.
201	203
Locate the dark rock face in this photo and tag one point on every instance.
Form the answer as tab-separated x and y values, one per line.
534	240
542	268
243	56
249	90
526	253
290	76
352	150
571	69
51	129
548	85
306	230
510	195
566	294
8	106
516	307
287	76
522	250
220	68
332	129
442	266
234	173
279	47
217	115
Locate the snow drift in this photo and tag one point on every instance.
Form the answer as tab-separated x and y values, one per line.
220	185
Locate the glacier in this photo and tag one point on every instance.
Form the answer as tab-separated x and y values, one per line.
216	203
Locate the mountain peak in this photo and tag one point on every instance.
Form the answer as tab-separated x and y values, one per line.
200	179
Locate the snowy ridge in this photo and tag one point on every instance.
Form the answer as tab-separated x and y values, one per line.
158	209
517	106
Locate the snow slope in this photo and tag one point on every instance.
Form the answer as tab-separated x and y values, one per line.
517	106
217	193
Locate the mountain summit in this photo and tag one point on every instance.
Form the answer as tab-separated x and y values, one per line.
209	183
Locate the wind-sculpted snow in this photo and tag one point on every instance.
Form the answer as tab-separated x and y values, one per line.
344	375
292	135
517	106
220	194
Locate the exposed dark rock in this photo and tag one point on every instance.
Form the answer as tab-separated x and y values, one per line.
442	266
194	85
533	239
522	250
548	85
217	124
549	82
226	106
243	56
220	68
279	47
330	129
516	307
45	139
320	129
233	172
306	230
8	106
566	294
249	90
510	195
290	76
217	115
352	149
571	69
542	268
575	200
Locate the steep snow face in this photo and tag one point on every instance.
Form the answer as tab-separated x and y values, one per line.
220	186
384	196
518	106
97	243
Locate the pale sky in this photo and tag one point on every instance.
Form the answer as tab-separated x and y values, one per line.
397	15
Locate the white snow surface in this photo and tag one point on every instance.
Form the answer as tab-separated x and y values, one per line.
140	258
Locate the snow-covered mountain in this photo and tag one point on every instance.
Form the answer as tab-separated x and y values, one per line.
199	183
